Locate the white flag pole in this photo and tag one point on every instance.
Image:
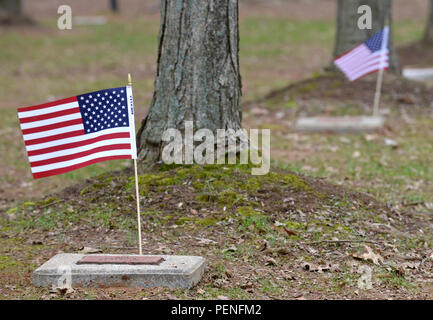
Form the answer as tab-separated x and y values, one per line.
378	93
137	193
384	49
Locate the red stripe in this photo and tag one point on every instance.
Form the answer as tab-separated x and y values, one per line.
48	104
50	115
360	70
350	63
53	126
79	143
81	154
55	137
347	52
76	166
368	74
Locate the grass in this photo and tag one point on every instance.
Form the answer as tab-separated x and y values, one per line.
393	175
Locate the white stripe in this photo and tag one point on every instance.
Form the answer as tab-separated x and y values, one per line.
75	139
130	99
363	49
38	112
374	58
361	55
67	152
46	122
385	45
69	163
365	59
366	71
358	69
53	132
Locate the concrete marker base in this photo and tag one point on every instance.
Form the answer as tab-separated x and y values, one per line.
174	272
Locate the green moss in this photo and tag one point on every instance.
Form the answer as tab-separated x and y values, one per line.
198	186
151	213
183	220
206	197
48	201
290	104
12	210
219	184
308	87
251	184
248	211
228	198
7	262
336	84
93	187
292	225
295	182
28	204
207	222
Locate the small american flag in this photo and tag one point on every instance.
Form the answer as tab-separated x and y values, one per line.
72	133
368	57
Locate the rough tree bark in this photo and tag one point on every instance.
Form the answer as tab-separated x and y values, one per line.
197	76
348	33
428	38
114	6
11	12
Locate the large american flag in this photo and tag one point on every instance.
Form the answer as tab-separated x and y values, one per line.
368	57
72	133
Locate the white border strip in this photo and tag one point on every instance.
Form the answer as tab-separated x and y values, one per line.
131	121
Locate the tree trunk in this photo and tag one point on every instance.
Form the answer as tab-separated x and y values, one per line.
114	5
429	31
197	76
10	11
349	35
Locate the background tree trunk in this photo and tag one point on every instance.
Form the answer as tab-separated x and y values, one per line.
10	10
348	33
429	31
114	6
197	76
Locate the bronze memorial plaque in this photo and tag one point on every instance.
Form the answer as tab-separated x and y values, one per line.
120	260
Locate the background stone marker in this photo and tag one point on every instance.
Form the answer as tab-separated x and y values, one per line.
339	124
422	75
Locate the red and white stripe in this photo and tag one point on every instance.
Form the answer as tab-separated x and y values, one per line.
361	61
55	141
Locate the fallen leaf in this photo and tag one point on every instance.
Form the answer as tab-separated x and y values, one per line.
289	232
270	262
410	265
88	250
391	143
204	241
259	111
246	285
282	251
369	255
232	248
356	154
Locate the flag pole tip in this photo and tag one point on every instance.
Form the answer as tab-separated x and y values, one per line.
129	79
